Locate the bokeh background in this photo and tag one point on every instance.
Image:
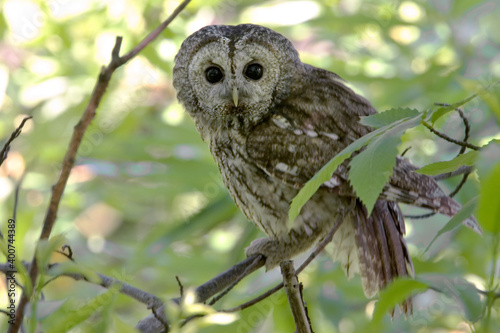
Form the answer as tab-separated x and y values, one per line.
145	202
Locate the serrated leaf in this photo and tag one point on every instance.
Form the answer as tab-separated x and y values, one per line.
326	172
371	169
388	117
437	168
489	201
466	211
394	294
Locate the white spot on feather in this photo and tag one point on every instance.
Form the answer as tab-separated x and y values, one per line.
311	133
281	122
330	135
332	182
286	169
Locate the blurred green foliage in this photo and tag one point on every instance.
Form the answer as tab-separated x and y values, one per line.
146	203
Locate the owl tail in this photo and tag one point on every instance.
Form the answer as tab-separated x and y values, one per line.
374	246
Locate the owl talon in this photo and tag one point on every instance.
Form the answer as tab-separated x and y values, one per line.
273	250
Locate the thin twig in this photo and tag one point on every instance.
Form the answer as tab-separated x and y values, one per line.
459	186
460	171
160	318
68	255
294	296
70	157
106	282
149	38
467	129
421	216
181	287
466	124
13	136
447	138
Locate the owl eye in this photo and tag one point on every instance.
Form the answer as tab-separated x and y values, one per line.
254	71
214	74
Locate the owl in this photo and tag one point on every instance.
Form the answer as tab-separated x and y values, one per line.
271	123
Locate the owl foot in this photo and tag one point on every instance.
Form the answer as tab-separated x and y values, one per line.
274	251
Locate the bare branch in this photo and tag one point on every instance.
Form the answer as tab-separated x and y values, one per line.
460	171
154	33
293	291
70	157
6	147
210	288
447	138
106	282
181	287
226	279
467	129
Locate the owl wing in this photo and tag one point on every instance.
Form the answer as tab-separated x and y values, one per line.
309	128
315	123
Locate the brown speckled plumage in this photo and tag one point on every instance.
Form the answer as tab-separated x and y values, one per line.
283	127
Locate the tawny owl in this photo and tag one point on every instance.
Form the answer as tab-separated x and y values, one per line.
272	122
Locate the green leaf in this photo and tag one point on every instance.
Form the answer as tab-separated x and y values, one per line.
371	169
444	110
71	267
318	179
217	211
471	302
437	168
71	318
462	291
394	294
388	117
325	173
461	215
489	201
46	248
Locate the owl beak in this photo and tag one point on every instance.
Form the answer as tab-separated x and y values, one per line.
235	96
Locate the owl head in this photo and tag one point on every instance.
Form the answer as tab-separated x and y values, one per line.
232	75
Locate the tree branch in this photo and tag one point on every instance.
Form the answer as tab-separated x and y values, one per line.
311	257
293	291
70	157
460	171
447	138
6	147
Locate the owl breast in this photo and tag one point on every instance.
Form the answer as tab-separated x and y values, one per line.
262	199
265	198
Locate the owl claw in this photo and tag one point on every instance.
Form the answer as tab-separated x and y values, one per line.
274	251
